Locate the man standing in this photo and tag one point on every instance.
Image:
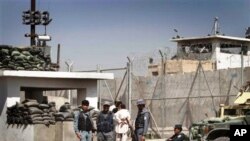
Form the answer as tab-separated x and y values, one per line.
178	135
122	118
105	124
83	124
142	121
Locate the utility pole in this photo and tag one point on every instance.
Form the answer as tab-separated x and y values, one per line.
129	69
163	88
242	65
33	26
58	56
34	17
99	89
69	64
162	62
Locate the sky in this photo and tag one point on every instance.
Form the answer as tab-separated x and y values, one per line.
105	32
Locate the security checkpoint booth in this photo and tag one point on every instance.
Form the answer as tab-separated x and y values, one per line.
16	86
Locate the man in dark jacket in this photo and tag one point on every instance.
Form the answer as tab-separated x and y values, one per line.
83	124
178	135
142	121
105	125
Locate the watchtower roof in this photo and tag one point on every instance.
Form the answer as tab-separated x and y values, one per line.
210	38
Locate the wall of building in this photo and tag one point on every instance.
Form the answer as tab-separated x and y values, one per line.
180	66
186	66
3	94
225	61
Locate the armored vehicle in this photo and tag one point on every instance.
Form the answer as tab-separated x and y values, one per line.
217	128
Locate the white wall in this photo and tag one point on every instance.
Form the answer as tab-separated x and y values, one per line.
225	61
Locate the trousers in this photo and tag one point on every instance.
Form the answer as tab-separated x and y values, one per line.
86	136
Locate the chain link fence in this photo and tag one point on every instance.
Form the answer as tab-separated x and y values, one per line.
180	98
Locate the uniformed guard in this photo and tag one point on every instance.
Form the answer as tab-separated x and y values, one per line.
142	121
83	124
178	135
105	125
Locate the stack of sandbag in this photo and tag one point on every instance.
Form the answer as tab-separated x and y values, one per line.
65	113
17	114
34	112
29	58
30	112
48	116
52	108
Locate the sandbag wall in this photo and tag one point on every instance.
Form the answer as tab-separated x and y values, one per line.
29	58
31	112
65	113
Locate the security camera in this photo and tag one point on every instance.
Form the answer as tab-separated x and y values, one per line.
43	38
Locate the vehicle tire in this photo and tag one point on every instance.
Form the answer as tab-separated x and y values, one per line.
222	139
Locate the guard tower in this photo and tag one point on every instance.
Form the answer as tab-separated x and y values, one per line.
216	51
224	51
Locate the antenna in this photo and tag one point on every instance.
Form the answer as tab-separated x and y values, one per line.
176	31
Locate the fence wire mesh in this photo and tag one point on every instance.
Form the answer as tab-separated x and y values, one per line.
181	98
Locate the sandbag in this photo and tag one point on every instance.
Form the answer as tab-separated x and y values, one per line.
53	109
46	118
59	119
52	104
65	108
45	114
22	107
15	53
29	100
43	106
5	51
52	121
59	114
35	115
26	53
37	118
35	110
46	110
69	119
38	122
31	104
67	115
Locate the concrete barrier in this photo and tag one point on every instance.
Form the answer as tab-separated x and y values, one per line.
61	131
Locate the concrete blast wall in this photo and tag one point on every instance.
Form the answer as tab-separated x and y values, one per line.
61	131
183	97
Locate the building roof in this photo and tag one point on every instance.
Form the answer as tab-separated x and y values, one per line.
211	37
53	74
